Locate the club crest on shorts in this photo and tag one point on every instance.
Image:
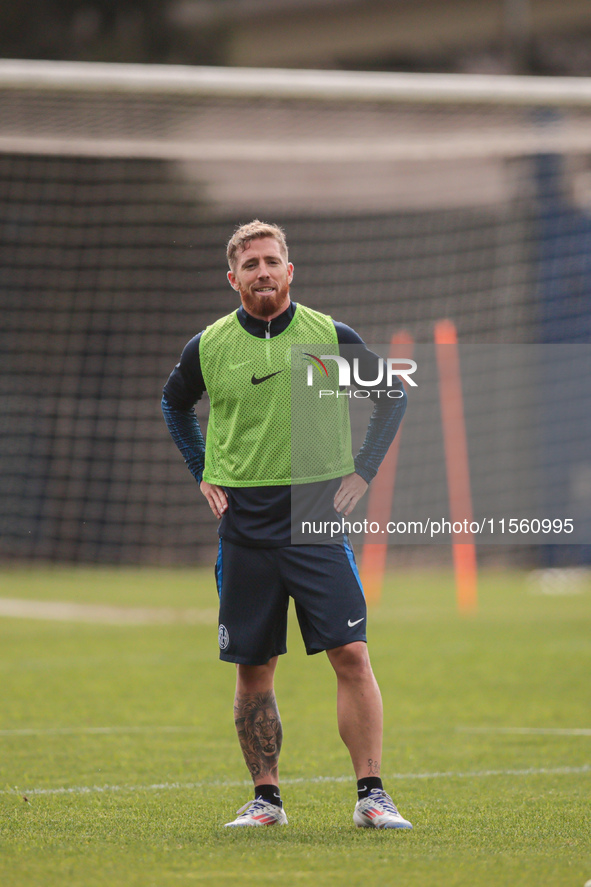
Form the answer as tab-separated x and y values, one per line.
223	637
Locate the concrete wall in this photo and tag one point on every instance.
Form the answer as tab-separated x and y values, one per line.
374	33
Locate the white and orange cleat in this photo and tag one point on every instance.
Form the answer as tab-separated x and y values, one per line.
378	811
259	812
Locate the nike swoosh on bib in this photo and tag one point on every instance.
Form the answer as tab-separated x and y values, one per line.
235	366
256	381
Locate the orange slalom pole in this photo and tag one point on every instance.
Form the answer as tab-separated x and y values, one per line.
456	461
381	495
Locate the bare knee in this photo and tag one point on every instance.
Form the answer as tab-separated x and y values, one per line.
255	678
350	662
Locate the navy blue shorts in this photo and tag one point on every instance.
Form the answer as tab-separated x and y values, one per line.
255	584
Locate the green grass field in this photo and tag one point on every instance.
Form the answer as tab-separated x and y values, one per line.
119	762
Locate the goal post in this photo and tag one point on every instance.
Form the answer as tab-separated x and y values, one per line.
406	199
31	87
252	83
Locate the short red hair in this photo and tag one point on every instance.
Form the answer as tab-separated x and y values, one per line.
254	230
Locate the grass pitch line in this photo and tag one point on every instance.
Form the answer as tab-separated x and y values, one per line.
69	731
186	786
530	731
187	728
62	611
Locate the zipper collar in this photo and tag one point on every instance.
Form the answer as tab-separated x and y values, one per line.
266	329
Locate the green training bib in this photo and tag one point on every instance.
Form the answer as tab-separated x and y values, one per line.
267	425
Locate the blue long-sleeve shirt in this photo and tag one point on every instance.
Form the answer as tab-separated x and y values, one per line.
261	516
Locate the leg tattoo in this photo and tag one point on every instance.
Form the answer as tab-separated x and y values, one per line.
373	767
260	734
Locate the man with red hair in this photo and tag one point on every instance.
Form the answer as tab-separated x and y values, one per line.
244	472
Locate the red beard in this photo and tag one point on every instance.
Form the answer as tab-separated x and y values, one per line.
264	306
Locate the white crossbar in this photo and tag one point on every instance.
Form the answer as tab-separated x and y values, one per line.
180	80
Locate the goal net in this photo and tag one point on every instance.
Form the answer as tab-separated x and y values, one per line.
406	199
